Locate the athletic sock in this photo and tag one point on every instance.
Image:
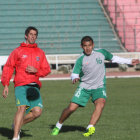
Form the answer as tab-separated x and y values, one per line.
90	125
15	139
58	125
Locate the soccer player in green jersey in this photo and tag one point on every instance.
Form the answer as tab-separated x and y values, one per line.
89	69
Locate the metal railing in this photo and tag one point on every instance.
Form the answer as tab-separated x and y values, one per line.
128	32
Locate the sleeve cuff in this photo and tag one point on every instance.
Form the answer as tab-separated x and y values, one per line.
74	76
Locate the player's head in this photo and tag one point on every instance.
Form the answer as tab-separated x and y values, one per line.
31	34
87	44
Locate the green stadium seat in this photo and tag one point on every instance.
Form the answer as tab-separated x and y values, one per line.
61	25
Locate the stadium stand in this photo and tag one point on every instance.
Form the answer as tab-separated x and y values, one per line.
61	25
126	17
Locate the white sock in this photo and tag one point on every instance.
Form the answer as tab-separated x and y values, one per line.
90	125
15	139
59	125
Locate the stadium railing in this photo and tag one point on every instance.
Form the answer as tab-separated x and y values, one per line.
70	58
125	17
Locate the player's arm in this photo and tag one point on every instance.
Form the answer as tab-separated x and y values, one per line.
135	61
120	60
9	68
8	72
44	69
117	59
31	69
5	91
75	78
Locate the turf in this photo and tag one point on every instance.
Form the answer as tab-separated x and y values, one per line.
120	119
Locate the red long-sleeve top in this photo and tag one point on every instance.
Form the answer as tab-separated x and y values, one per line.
19	59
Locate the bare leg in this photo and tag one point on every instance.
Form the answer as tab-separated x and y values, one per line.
99	105
67	112
36	112
18	119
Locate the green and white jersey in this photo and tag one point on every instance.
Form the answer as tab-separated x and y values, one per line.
91	69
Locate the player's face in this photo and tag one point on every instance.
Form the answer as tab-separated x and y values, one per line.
88	47
31	37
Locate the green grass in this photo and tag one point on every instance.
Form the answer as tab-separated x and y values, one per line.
120	119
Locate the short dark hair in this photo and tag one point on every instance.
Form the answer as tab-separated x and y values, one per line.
86	38
29	29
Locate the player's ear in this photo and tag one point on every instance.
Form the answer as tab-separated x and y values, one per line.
26	37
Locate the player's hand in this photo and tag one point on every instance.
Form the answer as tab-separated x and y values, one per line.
75	80
135	61
31	69
5	91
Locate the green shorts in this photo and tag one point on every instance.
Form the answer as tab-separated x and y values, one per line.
29	96
82	95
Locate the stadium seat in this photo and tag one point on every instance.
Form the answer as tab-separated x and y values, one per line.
128	21
61	25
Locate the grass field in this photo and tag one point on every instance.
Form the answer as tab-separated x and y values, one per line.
120	119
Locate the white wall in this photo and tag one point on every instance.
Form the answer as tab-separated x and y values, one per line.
52	59
3	60
71	58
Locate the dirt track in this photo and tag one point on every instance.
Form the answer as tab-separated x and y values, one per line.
108	74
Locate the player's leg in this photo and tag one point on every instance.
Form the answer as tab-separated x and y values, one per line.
65	114
34	114
80	98
99	105
99	99
18	119
21	102
35	104
68	111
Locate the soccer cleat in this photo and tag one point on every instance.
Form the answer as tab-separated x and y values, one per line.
55	131
89	132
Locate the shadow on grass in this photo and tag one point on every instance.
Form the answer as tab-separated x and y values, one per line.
6	132
67	128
